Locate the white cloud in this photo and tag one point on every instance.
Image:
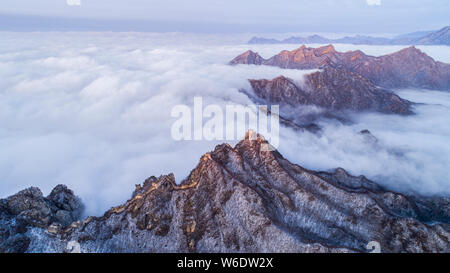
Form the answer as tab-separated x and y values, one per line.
373	2
92	111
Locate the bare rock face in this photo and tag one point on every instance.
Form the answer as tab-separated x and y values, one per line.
407	68
68	206
30	209
303	58
243	199
248	57
332	89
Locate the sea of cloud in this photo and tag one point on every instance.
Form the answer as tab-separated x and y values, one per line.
410	153
93	111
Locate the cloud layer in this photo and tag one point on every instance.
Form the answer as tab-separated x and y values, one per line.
92	111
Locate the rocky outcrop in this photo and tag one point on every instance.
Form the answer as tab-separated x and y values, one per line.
331	89
248	57
407	68
304	58
244	199
30	209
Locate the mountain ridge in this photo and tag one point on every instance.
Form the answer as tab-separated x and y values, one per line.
332	89
407	68
243	199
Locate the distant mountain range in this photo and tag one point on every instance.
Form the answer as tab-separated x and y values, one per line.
440	37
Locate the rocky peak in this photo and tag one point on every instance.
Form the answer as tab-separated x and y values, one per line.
302	58
411	49
316	51
248	57
29	209
326	49
63	198
411	54
61	207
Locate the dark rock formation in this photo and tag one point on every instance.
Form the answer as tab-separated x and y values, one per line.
29	208
407	68
332	89
248	57
243	199
368	137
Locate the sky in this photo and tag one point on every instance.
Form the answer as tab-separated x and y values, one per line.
256	16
